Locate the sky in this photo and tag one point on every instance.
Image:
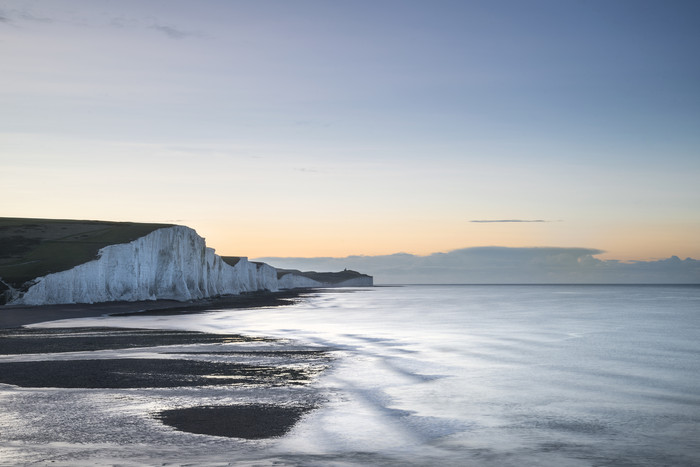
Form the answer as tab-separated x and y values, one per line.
320	128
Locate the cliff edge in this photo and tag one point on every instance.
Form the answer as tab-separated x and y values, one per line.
167	262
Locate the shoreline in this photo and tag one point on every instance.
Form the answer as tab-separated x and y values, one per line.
15	316
234	377
118	360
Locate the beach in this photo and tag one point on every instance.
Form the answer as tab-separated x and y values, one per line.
176	359
22	315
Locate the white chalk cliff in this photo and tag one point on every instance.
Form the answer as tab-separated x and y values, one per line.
169	263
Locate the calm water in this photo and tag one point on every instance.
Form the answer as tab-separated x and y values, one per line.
469	375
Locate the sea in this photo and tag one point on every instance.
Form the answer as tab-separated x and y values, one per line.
448	375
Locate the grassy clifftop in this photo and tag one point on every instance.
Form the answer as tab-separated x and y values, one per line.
32	248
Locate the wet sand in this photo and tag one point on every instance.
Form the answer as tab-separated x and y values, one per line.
220	360
253	421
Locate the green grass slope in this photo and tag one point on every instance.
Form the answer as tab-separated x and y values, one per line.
31	248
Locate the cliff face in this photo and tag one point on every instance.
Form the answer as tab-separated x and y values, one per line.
169	263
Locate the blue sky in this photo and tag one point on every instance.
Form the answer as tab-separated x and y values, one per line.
317	128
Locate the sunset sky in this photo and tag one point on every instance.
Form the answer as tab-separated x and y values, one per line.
334	128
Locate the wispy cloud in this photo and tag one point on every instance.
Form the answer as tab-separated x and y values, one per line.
122	22
307	170
175	33
489	221
12	16
29	16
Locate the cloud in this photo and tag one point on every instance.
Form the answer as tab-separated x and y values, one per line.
26	15
11	16
306	170
487	221
174	33
501	265
122	22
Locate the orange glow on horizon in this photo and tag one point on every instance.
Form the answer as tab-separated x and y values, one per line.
264	239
